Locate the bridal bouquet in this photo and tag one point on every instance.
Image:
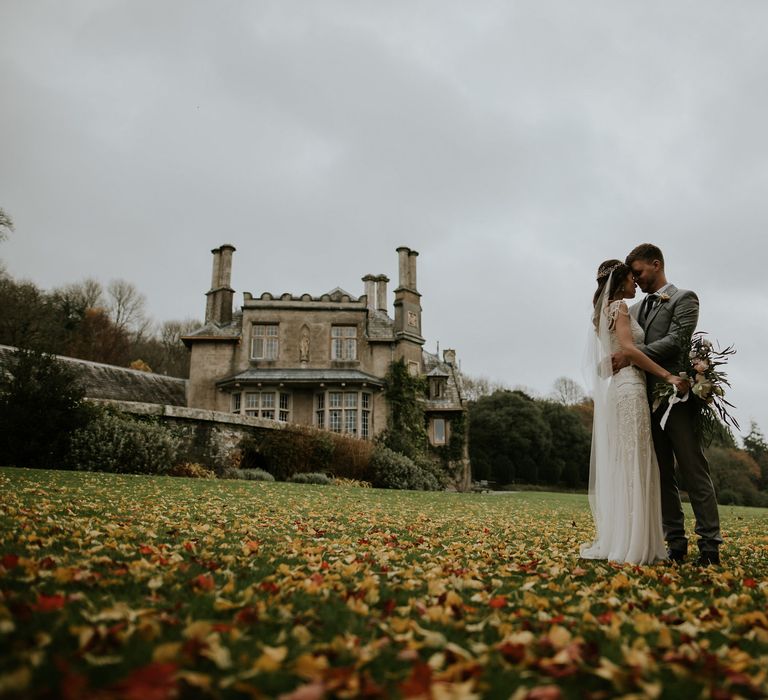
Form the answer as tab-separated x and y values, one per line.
702	364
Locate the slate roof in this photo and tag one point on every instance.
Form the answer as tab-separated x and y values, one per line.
451	399
122	383
337	293
231	331
303	376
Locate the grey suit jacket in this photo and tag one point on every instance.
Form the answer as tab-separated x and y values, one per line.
666	324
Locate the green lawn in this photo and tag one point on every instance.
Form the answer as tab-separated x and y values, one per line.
143	587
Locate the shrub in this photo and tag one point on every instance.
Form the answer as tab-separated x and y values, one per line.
342	481
116	442
311	478
351	457
301	449
247	474
729	497
392	470
286	452
191	470
734	471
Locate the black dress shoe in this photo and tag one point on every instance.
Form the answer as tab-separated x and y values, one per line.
708	559
677	555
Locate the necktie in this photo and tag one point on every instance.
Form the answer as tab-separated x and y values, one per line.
648	303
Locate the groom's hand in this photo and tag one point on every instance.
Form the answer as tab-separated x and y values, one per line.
619	361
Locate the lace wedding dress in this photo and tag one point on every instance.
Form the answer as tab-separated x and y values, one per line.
624	475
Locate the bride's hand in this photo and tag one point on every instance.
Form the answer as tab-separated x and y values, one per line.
680	383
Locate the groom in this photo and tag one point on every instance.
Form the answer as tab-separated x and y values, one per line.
666	313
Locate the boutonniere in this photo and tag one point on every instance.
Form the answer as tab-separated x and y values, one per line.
663	298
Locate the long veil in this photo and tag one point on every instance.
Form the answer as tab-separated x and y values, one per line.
598	374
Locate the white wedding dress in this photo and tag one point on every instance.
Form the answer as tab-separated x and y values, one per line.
625	494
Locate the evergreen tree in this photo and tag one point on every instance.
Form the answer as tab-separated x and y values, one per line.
41	404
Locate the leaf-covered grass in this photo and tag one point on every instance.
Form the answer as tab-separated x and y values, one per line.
148	587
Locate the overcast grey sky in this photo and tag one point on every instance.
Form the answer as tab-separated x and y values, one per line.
515	145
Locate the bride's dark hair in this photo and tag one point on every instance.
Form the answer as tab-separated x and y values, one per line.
620	271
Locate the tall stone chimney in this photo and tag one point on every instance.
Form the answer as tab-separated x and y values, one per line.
412	255
370	293
218	307
404	267
381	293
408	307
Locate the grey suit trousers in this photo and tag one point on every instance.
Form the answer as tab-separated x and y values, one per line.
677	443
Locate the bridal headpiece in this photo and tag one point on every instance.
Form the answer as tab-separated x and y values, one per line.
604	270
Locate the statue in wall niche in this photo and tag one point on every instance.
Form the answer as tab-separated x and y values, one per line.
304	345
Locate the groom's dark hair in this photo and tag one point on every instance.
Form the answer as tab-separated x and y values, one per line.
647	252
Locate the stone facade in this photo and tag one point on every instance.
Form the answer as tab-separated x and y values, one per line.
317	360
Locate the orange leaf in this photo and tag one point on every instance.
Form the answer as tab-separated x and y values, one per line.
204	582
419	682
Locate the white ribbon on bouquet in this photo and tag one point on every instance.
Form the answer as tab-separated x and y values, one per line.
672	401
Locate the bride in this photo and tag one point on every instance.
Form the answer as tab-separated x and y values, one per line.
624	491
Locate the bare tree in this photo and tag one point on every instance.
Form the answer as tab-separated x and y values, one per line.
87	294
6	224
567	392
127	307
177	355
474	388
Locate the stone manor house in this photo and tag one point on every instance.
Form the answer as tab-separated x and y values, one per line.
318	360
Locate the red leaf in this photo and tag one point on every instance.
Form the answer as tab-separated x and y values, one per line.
544	692
388	606
10	561
498	602
269	586
247	616
153	682
749	583
49	603
514	653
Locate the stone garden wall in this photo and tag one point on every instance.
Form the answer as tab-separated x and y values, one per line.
208	437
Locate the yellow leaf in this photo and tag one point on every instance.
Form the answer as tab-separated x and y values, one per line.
196	680
309	666
165	653
16	681
216	652
665	638
559	636
199	629
95	660
301	634
271	659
